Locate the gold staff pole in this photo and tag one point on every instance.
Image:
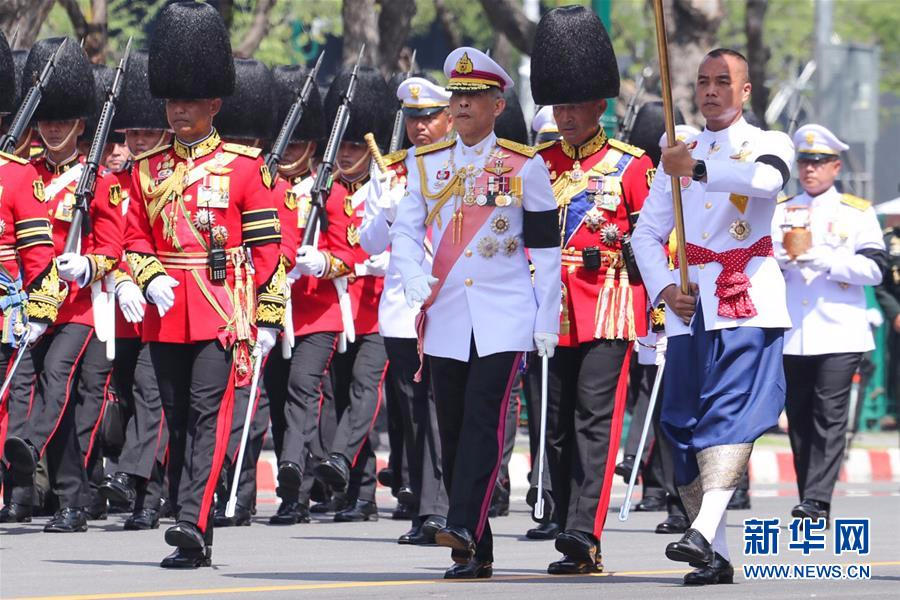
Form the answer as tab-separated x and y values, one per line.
663	49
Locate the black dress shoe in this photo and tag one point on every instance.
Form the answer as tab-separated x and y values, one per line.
403	512
414	532
433	524
146	518
718	571
458	539
67	520
119	489
289	477
15	513
578	546
651	504
337	503
386	477
544	531
241	518
812	509
474	569
423	535
692	548
406	496
334	471
624	468
363	510
290	512
572	566
673	524
21	456
185	535
740	500
188	558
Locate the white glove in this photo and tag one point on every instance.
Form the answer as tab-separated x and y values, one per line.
309	262
377	265
418	289
390	200
159	292
785	261
131	301
265	340
72	266
545	343
818	258
35	330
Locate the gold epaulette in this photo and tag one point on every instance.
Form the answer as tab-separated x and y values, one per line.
785	199
423	150
855	202
241	149
151	152
544	146
395	157
633	150
516	147
13	158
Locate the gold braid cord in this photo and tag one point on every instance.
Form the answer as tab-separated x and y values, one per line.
270	301
45	296
100	265
144	268
334	267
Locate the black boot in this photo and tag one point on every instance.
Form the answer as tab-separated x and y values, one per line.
473	569
673	524
241	518
15	513
21	456
624	468
813	510
460	540
334	471
403	511
362	510
146	518
574	566
718	571
188	558
119	489
67	520
578	546
185	535
544	531
290	512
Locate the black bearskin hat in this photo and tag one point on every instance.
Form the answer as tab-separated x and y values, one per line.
289	80
69	93
136	108
510	124
649	125
371	110
7	78
190	53
103	80
573	58
249	113
20	57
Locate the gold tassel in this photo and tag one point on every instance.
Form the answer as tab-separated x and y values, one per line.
564	324
604	303
625	322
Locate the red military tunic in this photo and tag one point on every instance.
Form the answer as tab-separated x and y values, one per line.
184	198
122	178
25	238
102	245
597	186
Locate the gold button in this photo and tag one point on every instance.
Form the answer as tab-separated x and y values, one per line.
705	235
468	252
468	282
709	205
701	265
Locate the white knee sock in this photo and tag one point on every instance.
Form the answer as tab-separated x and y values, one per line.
719	542
712	511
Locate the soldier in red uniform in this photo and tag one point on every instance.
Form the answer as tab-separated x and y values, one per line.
359	371
139	470
600	186
201	212
70	363
29	280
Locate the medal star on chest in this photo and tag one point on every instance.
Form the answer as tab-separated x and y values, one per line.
495	164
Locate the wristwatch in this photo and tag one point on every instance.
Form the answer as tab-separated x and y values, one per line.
699	170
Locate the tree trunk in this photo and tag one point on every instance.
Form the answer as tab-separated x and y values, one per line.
502	53
393	29
26	16
262	21
448	24
692	26
360	27
508	18
92	32
758	55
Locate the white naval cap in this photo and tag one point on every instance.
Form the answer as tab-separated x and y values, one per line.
814	142
471	70
419	97
682	132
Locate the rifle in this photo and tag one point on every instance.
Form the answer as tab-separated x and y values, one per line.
399	130
631	111
87	183
322	185
292	119
10	140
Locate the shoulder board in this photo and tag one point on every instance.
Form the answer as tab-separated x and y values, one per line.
395	157
13	158
785	199
241	149
855	202
423	150
633	150
544	146
152	152
516	147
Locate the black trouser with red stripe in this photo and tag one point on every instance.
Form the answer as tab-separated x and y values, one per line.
587	390
146	436
93	379
16	405
259	423
357	375
472	399
193	381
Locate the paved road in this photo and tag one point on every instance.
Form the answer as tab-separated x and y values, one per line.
331	560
